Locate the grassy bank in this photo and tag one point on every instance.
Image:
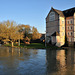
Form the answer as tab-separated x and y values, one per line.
33	46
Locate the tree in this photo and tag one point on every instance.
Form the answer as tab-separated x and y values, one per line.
35	34
26	29
27	40
4	32
21	34
8	31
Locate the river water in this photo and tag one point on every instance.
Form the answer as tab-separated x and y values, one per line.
15	61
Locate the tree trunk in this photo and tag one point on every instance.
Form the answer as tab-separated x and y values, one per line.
12	43
19	42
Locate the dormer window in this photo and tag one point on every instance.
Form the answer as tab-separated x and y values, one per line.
52	16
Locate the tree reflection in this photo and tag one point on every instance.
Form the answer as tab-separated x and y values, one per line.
14	59
4	52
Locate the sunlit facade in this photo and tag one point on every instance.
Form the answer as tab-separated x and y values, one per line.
60	24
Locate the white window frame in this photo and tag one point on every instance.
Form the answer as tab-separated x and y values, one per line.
62	33
62	21
68	33
71	27
67	27
68	22
62	28
70	39
71	33
71	20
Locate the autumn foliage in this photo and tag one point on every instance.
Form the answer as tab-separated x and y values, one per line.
11	32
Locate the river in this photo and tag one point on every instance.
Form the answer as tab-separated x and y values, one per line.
16	61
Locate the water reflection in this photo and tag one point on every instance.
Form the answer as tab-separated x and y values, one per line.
17	61
61	62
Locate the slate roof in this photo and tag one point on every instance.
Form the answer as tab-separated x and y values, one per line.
69	12
55	34
66	13
59	12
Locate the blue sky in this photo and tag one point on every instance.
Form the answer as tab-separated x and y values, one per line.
31	12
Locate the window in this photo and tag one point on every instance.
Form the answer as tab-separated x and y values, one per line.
68	28
68	33
71	39
71	33
67	39
62	28
62	33
71	27
68	22
62	21
52	16
71	21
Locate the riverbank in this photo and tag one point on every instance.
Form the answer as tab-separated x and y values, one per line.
33	46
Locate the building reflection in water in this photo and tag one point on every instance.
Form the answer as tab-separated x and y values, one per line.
23	61
61	62
51	60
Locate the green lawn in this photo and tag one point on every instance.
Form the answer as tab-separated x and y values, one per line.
8	45
33	46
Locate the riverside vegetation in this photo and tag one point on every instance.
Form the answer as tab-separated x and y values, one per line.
34	46
10	33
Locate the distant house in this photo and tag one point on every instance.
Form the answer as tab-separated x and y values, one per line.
60	24
42	39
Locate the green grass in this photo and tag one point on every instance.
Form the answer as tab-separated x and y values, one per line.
33	46
8	45
53	47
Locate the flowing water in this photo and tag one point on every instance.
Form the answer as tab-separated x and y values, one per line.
15	61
